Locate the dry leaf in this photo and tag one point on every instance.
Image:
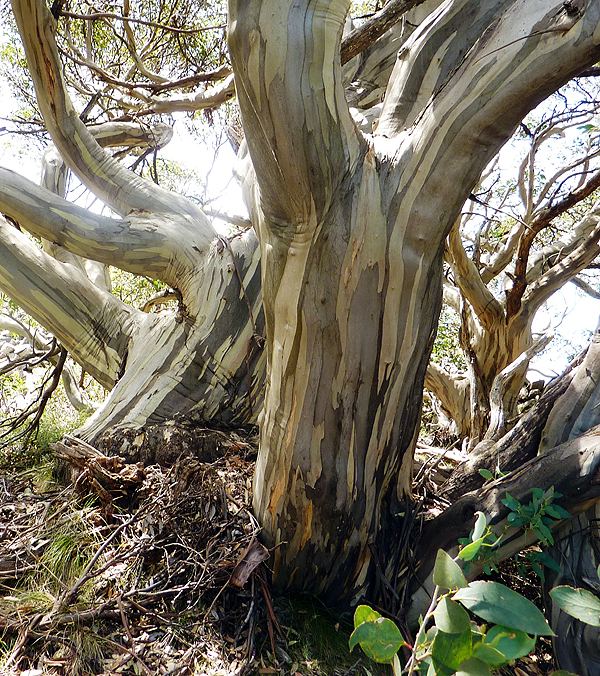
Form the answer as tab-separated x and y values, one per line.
251	558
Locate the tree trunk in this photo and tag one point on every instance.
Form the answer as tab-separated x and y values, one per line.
351	231
577	542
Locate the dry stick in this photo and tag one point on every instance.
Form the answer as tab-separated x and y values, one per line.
22	640
144	666
84	577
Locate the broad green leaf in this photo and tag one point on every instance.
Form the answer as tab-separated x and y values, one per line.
365	614
496	603
486	474
579	603
473	667
451	617
469	552
557	512
511	503
446	572
449	650
380	639
480	525
544	534
545	559
490	655
510	642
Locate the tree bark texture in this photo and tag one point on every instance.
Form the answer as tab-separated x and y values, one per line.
576	548
343	278
351	231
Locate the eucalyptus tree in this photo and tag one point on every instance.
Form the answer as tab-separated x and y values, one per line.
527	232
318	322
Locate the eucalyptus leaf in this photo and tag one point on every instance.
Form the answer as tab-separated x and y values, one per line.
496	603
510	642
480	525
473	667
578	603
490	655
380	639
365	614
448	651
451	617
447	573
469	552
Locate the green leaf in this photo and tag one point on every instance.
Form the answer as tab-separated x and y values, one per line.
562	672
486	474
562	512
365	614
490	655
473	667
544	559
544	534
496	603
451	617
449	650
510	642
380	639
515	520
578	603
511	503
446	572
480	525
469	552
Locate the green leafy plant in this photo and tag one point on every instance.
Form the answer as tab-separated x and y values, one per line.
454	644
538	515
448	641
579	603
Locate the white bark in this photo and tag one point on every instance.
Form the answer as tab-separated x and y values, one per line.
351	233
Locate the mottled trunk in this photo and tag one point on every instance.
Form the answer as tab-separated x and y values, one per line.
351	322
351	231
577	542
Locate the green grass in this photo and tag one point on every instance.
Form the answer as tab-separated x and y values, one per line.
317	640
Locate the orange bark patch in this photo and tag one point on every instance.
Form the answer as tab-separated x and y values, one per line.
307	524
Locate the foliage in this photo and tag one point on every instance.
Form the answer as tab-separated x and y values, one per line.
538	515
578	603
446	348
454	644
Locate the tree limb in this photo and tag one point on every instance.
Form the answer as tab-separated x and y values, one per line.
114	184
367	33
567	268
488	310
289	86
142	243
91	324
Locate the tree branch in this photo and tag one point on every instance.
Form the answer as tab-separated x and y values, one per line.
564	270
143	243
210	98
298	128
542	220
90	323
586	288
367	33
114	184
94	16
486	307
